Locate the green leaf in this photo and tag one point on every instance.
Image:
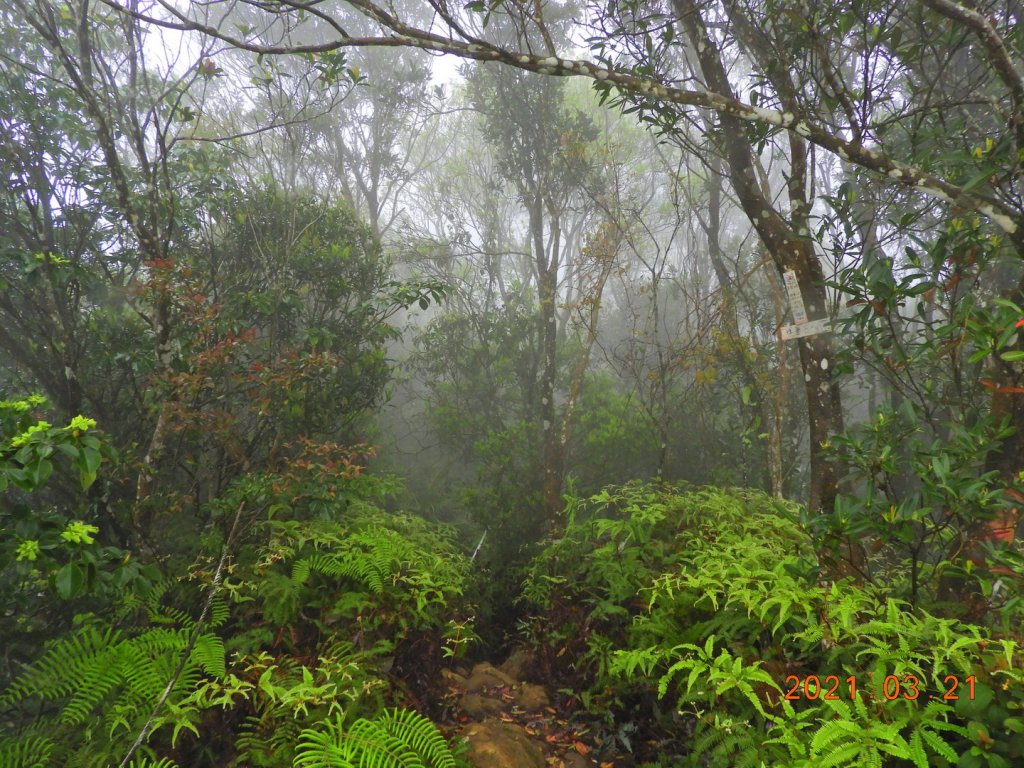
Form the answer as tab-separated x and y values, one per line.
1014	725
38	472
968	707
178	727
88	464
977	355
68	449
745	394
69	581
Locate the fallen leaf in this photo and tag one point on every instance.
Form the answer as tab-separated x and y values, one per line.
580	747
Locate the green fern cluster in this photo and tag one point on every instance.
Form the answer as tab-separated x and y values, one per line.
280	696
395	738
100	685
324	603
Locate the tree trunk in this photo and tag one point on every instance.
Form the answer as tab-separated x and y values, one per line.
604	247
767	400
790	248
545	256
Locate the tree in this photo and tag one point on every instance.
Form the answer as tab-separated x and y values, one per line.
629	61
283	305
512	226
542	151
93	59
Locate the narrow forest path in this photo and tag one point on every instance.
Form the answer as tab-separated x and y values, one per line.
508	722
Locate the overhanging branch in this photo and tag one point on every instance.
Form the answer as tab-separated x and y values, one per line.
906	175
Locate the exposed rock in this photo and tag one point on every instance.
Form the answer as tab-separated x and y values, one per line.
453	678
479	707
518	665
532	698
500	745
486	676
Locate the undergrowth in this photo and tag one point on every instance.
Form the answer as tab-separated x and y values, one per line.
293	665
700	619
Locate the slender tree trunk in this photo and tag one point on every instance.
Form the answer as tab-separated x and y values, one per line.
776	463
114	112
545	255
604	248
790	248
766	400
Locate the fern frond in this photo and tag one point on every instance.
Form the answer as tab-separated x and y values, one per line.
219	612
209	654
164	762
89	668
161	613
937	744
376	748
420	733
845	755
917	751
28	751
395	739
59	672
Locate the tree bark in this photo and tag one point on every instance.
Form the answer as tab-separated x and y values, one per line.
546	256
791	249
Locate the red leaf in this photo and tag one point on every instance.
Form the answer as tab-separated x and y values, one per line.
1005	390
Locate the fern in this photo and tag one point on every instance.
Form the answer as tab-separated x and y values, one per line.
27	751
731	604
722	743
937	744
84	656
369	568
393	560
419	733
394	739
93	673
159	609
267	740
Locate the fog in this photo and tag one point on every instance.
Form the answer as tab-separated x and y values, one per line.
378	377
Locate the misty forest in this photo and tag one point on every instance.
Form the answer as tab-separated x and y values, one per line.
511	383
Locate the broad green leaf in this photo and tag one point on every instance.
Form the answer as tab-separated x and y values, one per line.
69	581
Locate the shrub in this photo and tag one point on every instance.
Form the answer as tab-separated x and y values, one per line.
710	600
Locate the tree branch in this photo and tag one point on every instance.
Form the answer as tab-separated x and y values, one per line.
1005	216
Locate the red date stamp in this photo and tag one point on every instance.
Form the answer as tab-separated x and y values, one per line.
813	687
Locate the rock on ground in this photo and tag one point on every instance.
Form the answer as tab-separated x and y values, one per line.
500	745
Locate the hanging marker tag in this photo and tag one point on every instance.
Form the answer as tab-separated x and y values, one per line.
810	328
796	300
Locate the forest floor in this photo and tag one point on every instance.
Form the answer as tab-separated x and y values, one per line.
507	722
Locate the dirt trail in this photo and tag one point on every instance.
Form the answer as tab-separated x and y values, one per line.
510	723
